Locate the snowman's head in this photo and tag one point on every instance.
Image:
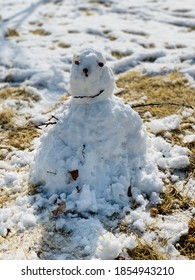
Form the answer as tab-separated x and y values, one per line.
91	79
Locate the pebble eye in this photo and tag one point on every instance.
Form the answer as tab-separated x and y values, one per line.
101	64
77	62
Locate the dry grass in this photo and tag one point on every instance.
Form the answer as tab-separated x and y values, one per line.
41	32
108	34
172	200
135	32
192	29
186	244
157	89
89	13
63	45
178	46
19	93
6	196
144	252
112	37
21	137
32	189
11	33
6	118
119	55
12	135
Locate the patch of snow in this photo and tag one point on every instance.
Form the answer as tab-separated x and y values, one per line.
165	124
189	138
27	220
108	247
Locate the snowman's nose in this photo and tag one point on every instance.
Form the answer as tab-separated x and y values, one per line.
85	70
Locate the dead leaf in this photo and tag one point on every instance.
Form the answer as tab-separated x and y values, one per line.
129	193
74	174
61	208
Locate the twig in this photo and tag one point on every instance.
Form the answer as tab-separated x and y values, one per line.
49	122
163	104
83	151
46	124
53	117
50	172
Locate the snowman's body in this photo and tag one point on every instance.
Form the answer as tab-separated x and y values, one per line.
98	137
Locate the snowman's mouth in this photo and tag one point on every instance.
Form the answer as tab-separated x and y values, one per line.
91	96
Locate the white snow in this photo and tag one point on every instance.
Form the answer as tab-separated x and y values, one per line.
189	138
165	124
28	220
175	157
108	247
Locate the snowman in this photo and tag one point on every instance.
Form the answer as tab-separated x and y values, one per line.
97	154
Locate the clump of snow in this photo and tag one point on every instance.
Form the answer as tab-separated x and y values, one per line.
27	220
189	138
102	141
165	124
129	242
139	224
170	157
108	247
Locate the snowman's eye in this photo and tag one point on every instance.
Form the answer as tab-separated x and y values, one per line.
77	62
101	64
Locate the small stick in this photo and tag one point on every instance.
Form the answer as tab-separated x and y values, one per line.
162	104
53	173
46	124
53	117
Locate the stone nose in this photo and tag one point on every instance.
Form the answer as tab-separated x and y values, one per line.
85	70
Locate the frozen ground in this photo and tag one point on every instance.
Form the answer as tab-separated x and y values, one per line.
37	40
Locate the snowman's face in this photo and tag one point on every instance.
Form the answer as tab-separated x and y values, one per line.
91	79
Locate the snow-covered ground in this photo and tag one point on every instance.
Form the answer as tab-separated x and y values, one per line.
37	41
